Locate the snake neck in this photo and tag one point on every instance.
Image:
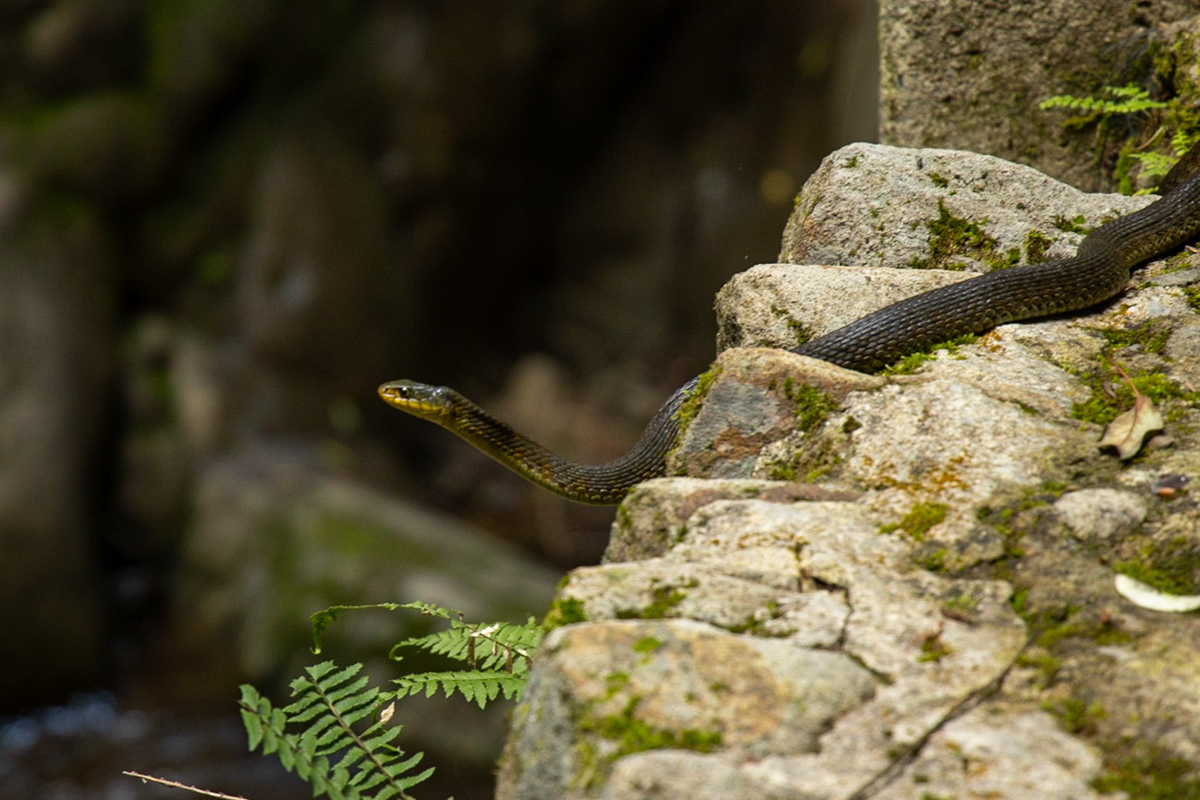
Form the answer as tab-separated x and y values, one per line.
599	484
1099	271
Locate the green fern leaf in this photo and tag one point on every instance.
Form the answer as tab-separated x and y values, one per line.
329	704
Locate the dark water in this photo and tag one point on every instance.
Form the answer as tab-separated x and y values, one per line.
78	750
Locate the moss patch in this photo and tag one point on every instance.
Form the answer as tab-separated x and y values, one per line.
810	405
564	611
950	237
1151	776
630	735
800	333
913	361
917	522
691	406
1036	245
1172	566
1111	395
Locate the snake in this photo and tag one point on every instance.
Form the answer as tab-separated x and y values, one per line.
1098	272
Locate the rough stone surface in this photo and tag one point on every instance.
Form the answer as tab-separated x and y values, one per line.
953	531
971	73
879	206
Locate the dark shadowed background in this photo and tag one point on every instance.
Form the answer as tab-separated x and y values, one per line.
224	222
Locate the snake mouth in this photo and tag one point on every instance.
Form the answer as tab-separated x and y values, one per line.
419	399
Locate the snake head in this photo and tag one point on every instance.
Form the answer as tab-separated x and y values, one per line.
418	399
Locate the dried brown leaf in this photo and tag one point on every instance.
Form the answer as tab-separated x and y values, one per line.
1128	431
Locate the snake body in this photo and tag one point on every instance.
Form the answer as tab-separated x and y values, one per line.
1098	271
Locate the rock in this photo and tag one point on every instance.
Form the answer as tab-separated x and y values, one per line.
951	528
879	206
654	514
620	686
1098	515
1011	754
971	74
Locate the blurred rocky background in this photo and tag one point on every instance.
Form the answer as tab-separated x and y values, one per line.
224	222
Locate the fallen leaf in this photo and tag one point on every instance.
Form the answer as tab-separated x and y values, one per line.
1128	431
1146	596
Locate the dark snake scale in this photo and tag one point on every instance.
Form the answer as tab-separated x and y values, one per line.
1098	272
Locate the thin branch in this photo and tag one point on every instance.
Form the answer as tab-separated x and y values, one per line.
177	785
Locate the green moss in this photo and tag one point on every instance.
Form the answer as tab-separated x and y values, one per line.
647	644
851	163
1192	294
615	682
1111	394
1153	775
934	649
1075	715
1077	224
963	604
1151	337
800	333
632	735
665	599
917	522
1036	245
952	236
1172	567
1046	664
811	405
691	406
938	180
933	559
913	361
564	611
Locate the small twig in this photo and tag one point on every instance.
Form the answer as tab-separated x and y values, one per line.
177	785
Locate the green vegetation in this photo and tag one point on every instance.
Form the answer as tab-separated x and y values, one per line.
800	333
1075	715
1111	394
1172	566
952	236
632	735
811	405
1036	245
665	599
564	611
917	522
691	406
1192	294
913	361
1121	112
1152	775
933	649
336	714
1076	224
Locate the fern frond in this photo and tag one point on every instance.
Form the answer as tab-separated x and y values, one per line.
328	706
1128	99
476	686
483	646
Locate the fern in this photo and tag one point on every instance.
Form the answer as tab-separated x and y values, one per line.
329	703
474	685
328	719
1127	99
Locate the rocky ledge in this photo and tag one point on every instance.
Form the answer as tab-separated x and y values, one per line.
898	586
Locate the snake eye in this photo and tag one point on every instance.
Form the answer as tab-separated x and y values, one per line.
403	392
